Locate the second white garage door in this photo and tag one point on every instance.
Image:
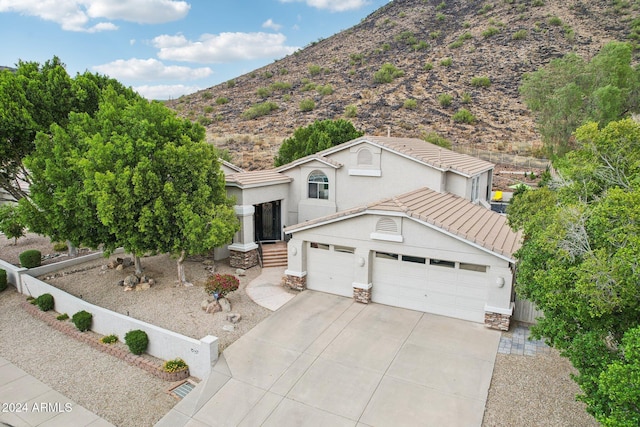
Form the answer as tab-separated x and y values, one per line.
330	269
433	286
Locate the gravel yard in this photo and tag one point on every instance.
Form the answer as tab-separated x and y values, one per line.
525	390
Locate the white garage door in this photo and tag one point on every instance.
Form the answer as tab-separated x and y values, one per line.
330	269
439	287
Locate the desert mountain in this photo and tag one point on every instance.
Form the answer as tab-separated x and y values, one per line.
447	55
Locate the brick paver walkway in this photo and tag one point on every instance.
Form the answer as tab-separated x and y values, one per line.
520	344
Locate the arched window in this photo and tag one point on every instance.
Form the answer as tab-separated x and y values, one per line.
318	185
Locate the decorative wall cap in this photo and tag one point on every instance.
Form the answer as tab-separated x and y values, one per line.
365	286
295	273
498	310
243	247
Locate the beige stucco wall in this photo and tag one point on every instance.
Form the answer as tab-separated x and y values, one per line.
418	240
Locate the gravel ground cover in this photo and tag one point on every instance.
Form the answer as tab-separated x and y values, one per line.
525	390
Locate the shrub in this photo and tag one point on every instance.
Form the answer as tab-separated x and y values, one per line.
480	81
109	339
410	104
441	6
428	66
387	73
490	32
555	21
268	74
45	302
325	90
434	34
231	83
3	280
174	365
351	111
137	341
434	138
281	86
456	44
63	316
258	110
464	116
421	45
466	98
263	92
440	17
221	284
446	62
465	36
205	121
314	70
208	109
307	105
82	320
406	37
207	95
485	8
30	258
445	99
221	100
520	35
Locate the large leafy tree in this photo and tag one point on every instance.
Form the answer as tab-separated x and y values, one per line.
320	135
580	261
157	185
34	97
570	91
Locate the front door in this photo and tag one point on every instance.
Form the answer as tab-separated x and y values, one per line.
267	221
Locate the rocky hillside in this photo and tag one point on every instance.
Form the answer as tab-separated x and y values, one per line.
446	56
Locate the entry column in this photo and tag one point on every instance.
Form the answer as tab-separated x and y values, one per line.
362	285
244	250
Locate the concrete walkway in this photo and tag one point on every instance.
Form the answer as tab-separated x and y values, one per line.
266	289
26	401
323	360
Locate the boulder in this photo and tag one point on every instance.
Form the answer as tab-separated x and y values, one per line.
234	317
143	286
151	282
131	280
228	328
119	267
127	262
241	272
120	283
225	304
213	307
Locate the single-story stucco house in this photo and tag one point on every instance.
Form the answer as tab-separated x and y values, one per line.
396	221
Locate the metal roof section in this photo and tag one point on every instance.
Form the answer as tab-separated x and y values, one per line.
451	214
256	179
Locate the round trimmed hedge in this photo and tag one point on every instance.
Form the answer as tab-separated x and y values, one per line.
30	258
137	341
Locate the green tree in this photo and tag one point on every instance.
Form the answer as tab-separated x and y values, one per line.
157	185
320	135
11	224
579	262
569	92
33	98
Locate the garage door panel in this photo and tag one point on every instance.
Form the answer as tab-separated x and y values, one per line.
330	271
449	291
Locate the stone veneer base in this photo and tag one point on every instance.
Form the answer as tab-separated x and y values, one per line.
244	260
295	283
362	295
69	328
497	321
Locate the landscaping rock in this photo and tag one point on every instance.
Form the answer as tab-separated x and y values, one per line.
234	317
120	283
225	304
213	307
119	267
130	281
228	328
241	272
143	286
127	262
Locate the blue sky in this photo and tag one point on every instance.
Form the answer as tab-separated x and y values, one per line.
168	48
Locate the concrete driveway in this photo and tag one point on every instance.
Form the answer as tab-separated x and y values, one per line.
323	360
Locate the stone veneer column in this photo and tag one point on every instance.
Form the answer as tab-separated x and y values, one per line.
296	282
497	321
244	260
362	292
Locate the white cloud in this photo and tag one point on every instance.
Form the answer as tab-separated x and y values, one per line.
165	92
150	69
223	47
76	15
270	24
332	5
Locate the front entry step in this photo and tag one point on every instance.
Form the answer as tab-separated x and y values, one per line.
274	255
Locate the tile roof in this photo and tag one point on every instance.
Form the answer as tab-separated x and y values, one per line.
445	211
256	178
231	166
309	158
431	154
